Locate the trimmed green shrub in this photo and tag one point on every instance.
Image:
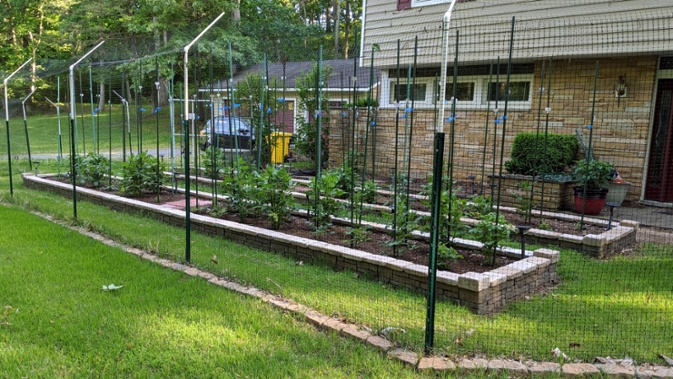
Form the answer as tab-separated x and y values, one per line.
529	158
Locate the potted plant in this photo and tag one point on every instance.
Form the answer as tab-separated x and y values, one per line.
592	178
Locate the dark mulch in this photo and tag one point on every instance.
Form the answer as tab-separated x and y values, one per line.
375	243
556	225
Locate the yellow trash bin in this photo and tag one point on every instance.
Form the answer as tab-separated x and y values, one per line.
280	146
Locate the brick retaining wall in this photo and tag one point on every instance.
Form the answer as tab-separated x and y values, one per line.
482	293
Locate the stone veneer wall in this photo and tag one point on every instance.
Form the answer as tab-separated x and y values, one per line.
620	130
557	196
481	293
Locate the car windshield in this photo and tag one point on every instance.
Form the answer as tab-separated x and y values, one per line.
223	126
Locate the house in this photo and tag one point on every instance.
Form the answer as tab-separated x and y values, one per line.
282	91
570	60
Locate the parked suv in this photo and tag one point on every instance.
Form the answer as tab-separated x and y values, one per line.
227	131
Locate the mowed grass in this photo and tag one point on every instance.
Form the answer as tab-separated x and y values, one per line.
59	323
619	307
99	133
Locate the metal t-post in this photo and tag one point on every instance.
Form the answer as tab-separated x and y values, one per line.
436	189
185	124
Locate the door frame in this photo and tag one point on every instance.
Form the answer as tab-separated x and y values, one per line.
661	75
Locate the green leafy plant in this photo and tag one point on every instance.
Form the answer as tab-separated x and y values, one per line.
240	187
368	191
366	102
490	233
447	253
347	174
307	130
529	156
524	199
401	219
213	162
478	206
543	225
92	169
323	195
142	172
453	207
357	234
217	210
593	174
274	186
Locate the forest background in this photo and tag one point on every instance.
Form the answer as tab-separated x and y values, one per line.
55	32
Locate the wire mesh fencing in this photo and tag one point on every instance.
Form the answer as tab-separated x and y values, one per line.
537	111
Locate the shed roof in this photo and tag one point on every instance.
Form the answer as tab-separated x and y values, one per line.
341	76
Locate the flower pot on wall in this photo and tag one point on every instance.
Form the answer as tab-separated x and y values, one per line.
593	200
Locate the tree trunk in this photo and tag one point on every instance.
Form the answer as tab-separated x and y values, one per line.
101	98
337	22
347	29
236	13
129	97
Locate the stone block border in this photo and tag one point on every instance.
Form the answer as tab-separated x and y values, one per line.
459	365
482	293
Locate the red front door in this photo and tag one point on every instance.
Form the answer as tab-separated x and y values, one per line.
659	186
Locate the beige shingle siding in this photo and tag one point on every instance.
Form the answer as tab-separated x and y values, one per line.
543	28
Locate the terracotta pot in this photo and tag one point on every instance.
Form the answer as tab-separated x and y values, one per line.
593	200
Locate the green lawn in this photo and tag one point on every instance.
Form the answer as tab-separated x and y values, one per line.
110	130
59	323
621	307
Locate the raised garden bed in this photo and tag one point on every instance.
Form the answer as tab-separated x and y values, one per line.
595	240
482	293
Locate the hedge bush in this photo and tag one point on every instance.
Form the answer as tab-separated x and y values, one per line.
529	158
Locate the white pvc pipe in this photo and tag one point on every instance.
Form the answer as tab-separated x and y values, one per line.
72	80
23	103
5	84
187	63
446	20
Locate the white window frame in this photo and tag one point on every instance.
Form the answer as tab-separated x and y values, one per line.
423	3
479	102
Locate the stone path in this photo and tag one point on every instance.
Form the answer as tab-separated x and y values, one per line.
497	367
